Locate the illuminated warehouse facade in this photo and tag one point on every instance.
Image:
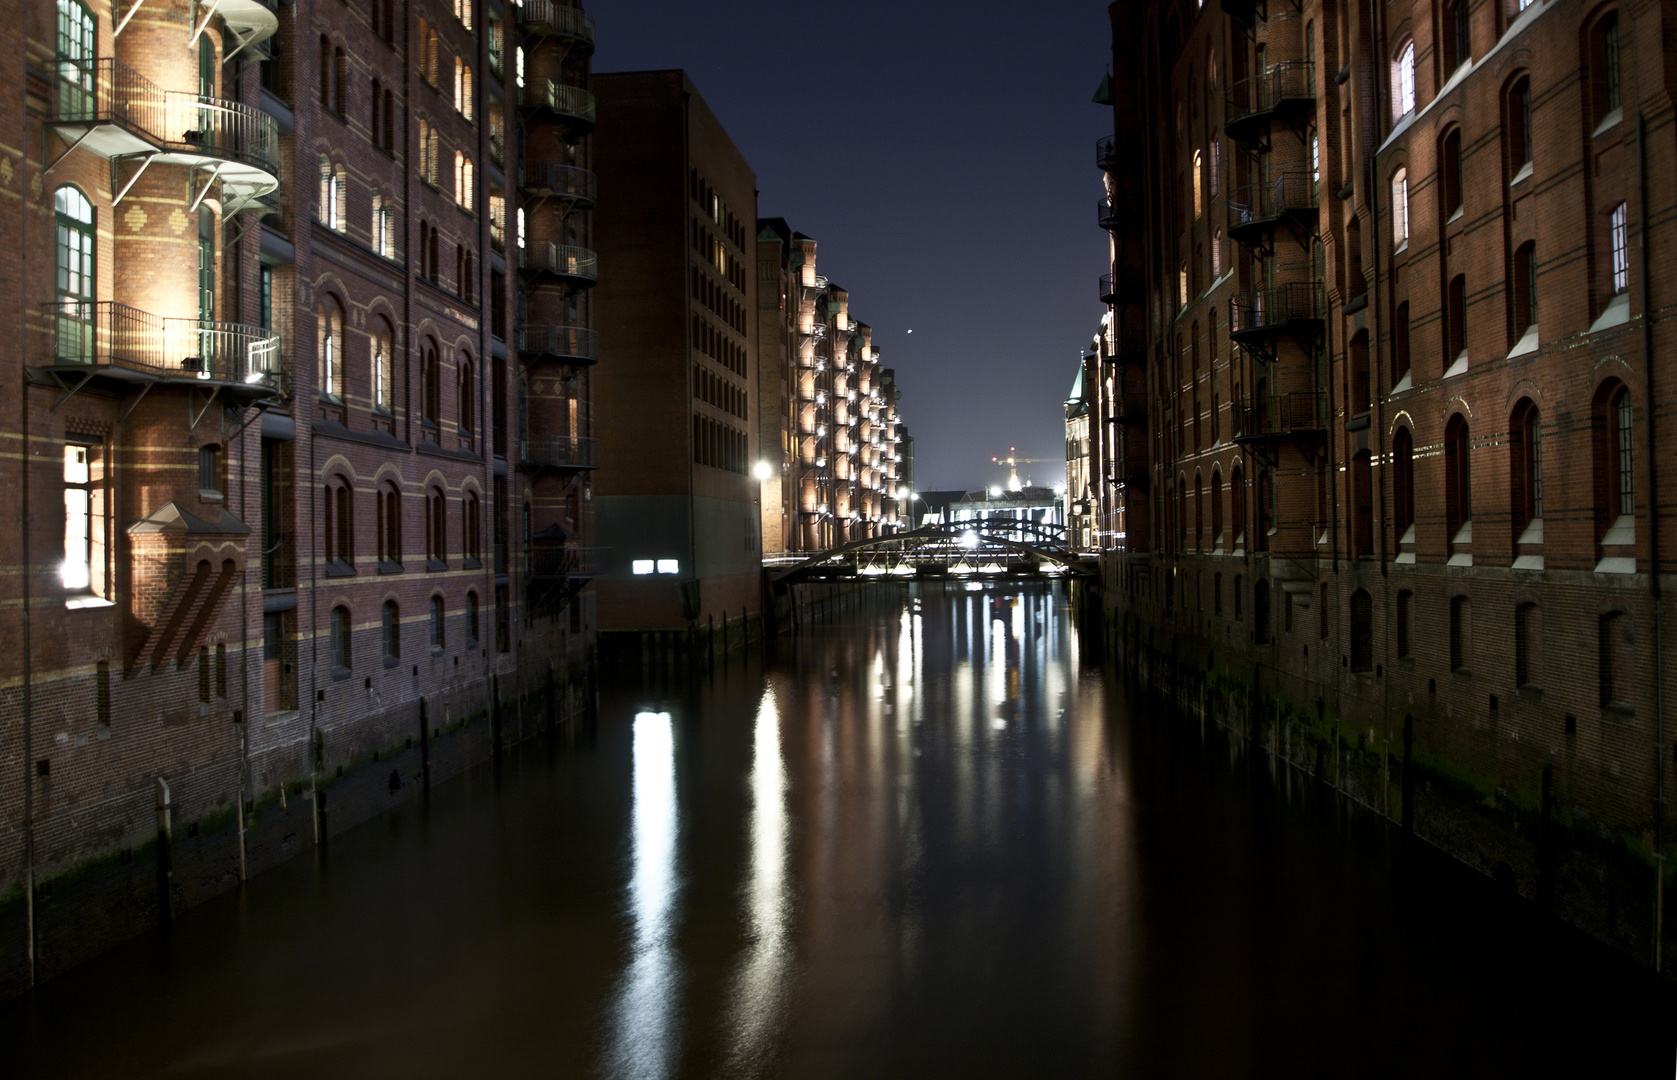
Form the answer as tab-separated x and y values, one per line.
1372	429
302	376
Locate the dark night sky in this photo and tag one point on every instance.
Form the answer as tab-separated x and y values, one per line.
943	157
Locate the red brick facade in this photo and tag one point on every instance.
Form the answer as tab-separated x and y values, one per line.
1381	412
336	500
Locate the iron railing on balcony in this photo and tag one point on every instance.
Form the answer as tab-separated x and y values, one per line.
569	101
109	92
1106	215
559	181
575	343
1109	288
1293	81
565	260
108	334
1276	307
1261	203
539	452
545	17
1106	153
544	562
1290	413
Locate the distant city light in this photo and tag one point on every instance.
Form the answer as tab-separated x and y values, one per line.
995	491
969	539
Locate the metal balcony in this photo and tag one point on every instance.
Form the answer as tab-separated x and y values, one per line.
1115	288
1109	288
545	18
1257	317
1286	92
1289	199
88	339
1297	417
1106	215
572	104
567	182
114	111
539	454
576	346
551	562
1106	153
578	267
248	22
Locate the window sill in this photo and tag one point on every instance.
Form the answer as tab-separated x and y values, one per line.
1619	712
392	662
1527	343
433	566
1522	176
1617	313
1530	692
1401	249
78	603
1457	216
437	650
1403	385
389	566
339	674
471	564
336	568
1459	367
1528	562
211	496
1608	123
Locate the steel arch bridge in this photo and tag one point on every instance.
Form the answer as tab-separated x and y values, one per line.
959	549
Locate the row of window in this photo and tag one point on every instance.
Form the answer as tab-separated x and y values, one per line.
718	300
390	630
714	390
338	525
333	368
712	251
718	346
719	213
1611	464
719	446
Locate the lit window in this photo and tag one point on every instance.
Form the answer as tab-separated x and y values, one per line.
669	566
1199	169
1400	207
83	516
1403	82
641	566
1621	250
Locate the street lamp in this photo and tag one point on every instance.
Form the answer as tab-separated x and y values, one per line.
763	471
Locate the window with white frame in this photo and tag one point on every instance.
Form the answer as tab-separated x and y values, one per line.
1400	207
1620	239
1403	82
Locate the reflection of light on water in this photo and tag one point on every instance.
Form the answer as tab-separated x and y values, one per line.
645	1031
759	991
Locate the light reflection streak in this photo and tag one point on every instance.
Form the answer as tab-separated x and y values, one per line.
759	993
645	1029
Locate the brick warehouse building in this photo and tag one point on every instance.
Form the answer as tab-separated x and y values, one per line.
296	499
1380	413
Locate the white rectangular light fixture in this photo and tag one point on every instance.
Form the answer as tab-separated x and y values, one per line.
641	566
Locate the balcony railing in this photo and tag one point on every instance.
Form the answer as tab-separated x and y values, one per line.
108	334
570	344
547	18
577	264
1106	215
1286	86
1265	311
1106	153
1280	414
558	181
571	102
1258	205
544	562
539	453
106	92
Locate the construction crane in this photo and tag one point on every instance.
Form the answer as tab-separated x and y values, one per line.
1013	461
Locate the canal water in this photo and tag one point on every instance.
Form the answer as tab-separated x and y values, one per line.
928	838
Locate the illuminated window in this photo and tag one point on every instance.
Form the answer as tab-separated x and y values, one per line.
84	518
669	566
382	376
1400	208
1403	82
1619	236
329	346
642	566
1199	170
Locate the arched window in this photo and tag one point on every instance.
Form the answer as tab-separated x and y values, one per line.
1606	96
1217	253
1403	81
1458	40
337	517
1518	125
1357	383
437	622
1458	479
340	637
1216	511
390	524
436	527
392	631
1403	485
1525	460
1450	172
472	618
327	84
1237	506
1455	325
382	364
73	256
466	394
1528	643
430	378
1199	181
340	81
1362	506
1400	208
1199	513
1615	482
329	348
471	527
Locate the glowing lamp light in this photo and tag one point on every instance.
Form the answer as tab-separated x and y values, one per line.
995	492
969	539
763	471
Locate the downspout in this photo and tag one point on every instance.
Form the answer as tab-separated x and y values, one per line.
1653	524
1377	425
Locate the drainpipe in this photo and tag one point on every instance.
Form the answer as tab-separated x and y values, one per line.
1653	524
1377	404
